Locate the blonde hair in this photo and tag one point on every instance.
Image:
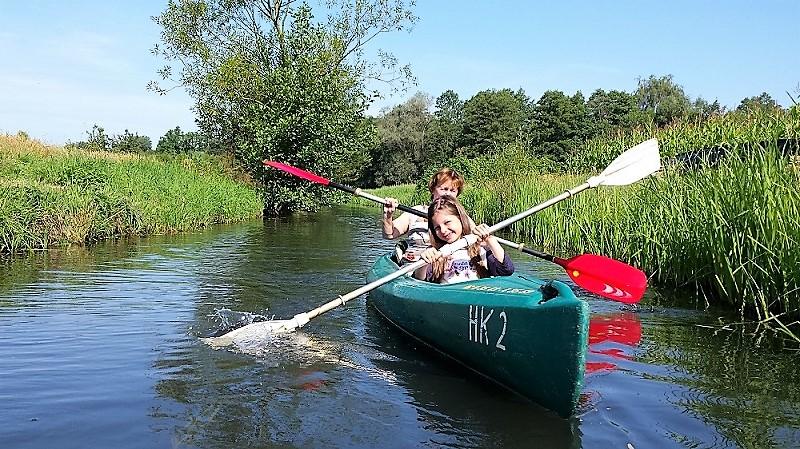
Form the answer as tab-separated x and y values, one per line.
446	175
451	206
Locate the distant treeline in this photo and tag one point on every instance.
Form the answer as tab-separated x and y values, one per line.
173	141
424	132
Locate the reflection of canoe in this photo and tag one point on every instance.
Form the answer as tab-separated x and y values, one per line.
525	334
622	328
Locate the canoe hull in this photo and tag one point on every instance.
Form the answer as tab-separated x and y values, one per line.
522	333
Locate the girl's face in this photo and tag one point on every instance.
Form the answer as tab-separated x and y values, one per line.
445	188
447	226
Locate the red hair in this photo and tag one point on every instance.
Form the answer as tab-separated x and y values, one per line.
446	175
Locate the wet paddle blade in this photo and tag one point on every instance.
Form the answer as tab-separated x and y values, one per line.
307	175
257	331
606	277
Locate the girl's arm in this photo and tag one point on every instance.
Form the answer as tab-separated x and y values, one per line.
497	261
488	241
430	255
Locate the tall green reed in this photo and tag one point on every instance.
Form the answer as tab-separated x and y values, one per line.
51	196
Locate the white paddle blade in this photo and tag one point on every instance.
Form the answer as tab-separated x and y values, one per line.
257	331
637	163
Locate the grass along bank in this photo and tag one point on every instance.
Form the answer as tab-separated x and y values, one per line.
727	231
51	196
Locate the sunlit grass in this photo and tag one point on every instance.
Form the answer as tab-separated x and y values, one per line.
51	196
728	231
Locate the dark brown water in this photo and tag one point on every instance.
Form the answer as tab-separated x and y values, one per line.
99	348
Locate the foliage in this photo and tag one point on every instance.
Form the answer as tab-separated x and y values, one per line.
175	141
560	124
763	101
51	196
612	110
403	144
127	142
446	128
729	130
662	99
491	120
272	81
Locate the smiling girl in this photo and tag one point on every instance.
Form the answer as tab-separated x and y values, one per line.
448	222
444	182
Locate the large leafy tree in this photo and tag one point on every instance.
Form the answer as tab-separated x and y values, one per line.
272	81
448	121
560	124
612	110
403	134
662	99
492	119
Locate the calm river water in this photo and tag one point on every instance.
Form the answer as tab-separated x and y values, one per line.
99	349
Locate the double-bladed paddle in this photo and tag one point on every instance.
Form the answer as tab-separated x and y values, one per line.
631	166
600	275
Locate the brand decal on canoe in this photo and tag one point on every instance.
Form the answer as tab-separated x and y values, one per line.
487	288
479	318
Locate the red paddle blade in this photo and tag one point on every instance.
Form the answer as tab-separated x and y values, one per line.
606	277
298	172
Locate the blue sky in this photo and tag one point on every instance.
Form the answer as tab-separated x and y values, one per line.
65	66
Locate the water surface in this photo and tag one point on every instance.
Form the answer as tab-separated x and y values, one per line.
99	348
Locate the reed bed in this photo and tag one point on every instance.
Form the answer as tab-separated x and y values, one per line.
733	131
52	196
727	229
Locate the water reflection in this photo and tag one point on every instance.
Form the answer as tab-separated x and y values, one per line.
612	336
99	348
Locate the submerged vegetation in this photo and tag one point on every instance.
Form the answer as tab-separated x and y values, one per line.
51	196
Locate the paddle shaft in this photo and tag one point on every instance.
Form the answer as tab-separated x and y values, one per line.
445	250
341	300
519	246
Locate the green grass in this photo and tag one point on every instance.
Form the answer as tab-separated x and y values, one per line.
50	196
730	232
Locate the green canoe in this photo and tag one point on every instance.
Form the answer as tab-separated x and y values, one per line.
528	335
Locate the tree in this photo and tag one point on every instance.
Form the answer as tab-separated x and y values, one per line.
560	123
763	102
612	109
491	120
662	99
128	142
270	80
449	107
403	142
703	110
445	129
176	141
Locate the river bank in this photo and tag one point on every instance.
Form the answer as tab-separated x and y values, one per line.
52	196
